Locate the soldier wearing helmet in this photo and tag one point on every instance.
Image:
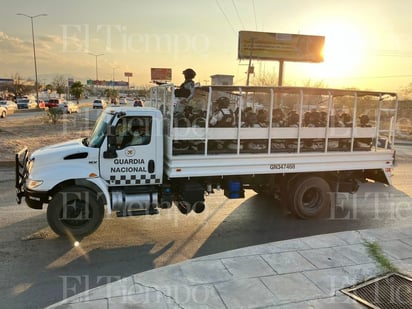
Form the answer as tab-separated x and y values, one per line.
223	117
187	88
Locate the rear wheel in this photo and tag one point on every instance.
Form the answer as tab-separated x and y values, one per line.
74	211
309	197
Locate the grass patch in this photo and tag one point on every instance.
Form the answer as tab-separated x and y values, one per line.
375	251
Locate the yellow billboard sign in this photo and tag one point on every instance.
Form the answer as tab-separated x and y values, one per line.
280	46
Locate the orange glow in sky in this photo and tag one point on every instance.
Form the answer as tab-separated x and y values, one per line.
368	43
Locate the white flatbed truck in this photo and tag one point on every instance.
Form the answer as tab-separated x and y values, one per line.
296	144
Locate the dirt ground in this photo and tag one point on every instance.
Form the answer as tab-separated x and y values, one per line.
35	131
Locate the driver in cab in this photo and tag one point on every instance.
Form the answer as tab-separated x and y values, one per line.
138	133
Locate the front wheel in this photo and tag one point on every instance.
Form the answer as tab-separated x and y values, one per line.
309	197
74	211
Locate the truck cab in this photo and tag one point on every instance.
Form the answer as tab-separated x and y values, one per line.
119	165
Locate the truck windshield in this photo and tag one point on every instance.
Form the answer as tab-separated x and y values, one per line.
99	132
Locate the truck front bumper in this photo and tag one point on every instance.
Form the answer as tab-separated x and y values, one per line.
35	199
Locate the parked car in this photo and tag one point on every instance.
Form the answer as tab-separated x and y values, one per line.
9	105
122	100
99	103
53	103
3	111
25	103
69	107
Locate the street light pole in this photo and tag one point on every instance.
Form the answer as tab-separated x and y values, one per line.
34	51
97	75
113	77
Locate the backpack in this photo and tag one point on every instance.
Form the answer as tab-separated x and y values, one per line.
227	119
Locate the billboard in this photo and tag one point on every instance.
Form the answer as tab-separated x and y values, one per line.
280	46
108	83
128	74
164	74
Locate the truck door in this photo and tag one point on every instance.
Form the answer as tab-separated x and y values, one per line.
139	153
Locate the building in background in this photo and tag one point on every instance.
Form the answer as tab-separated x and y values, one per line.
222	80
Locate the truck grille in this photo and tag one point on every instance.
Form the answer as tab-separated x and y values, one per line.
392	291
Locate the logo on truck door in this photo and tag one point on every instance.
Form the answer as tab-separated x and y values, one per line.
130	152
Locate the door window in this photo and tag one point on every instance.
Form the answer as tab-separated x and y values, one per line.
134	131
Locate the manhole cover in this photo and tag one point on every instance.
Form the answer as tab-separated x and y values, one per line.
392	291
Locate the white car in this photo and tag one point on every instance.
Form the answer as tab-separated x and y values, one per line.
69	107
3	112
25	103
9	105
99	103
123	100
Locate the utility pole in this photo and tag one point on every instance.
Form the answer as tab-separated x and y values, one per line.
34	51
96	55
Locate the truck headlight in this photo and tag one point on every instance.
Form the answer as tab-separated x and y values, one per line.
31	183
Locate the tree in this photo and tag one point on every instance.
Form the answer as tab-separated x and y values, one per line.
49	87
77	90
265	79
405	92
20	87
111	94
59	84
5	88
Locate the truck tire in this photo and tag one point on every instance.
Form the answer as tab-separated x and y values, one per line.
74	211
309	197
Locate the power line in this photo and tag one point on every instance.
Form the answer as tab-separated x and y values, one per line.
369	77
238	15
254	13
390	53
224	14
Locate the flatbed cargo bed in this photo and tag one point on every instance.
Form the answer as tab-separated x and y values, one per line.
195	148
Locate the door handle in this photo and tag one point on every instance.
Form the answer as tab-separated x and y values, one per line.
151	166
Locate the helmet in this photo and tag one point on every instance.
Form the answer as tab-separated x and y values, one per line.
277	114
189	73
223	102
346	117
364	119
136	124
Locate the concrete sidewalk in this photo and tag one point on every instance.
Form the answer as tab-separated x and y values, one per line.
299	273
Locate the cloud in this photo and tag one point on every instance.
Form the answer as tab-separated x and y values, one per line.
12	45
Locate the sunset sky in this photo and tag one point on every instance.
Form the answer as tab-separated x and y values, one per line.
368	42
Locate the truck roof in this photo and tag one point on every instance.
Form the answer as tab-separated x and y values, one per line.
307	90
117	109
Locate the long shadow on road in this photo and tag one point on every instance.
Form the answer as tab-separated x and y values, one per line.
258	221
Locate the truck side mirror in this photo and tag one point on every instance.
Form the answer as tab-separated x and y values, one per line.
110	153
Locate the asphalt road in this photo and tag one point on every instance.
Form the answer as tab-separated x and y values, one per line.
38	268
